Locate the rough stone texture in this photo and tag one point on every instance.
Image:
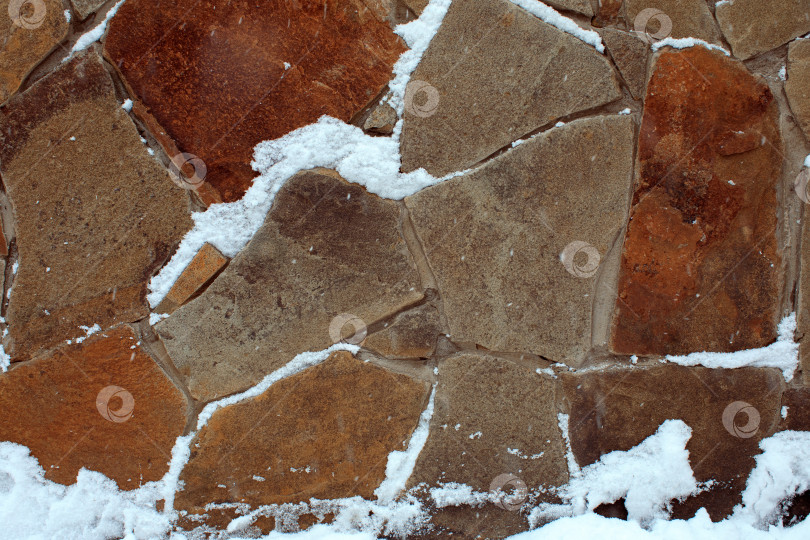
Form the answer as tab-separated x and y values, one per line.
690	18
700	262
218	83
609	10
412	334
756	26
803	310
494	237
616	410
579	6
204	266
797	86
417	6
631	55
334	423
797	401
58	402
95	214
484	407
83	8
488	96
278	297
381	120
27	43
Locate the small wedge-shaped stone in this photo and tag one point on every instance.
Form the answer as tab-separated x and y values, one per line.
700	266
324	433
104	405
482	95
756	26
204	266
631	55
328	252
797	86
495	237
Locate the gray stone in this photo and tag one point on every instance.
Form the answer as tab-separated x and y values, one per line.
797	86
630	54
412	334
756	26
472	94
381	120
494	237
688	18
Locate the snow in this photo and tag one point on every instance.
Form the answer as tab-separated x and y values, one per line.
573	467
625	111
155	318
685	43
783	73
67	15
782	354
127	105
807	161
784	411
91	36
554	18
5	360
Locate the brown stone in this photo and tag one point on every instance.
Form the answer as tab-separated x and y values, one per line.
803	308
202	268
492	417
85	7
756	26
797	86
26	41
482	96
220	104
103	405
618	409
324	433
797	401
609	10
494	238
417	6
412	334
688	18
630	55
381	120
583	7
295	280
95	214
700	262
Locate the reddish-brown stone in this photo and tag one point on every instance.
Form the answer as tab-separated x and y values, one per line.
212	72
797	415
700	267
56	406
202	268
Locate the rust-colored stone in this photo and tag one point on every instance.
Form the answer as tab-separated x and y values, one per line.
700	266
235	73
204	266
325	433
103	404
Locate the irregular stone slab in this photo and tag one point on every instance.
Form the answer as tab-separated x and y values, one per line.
482	96
412	334
797	86
204	266
756	26
631	55
494	238
617	409
267	69
104	405
324	433
95	214
284	291
26	40
609	10
85	7
700	264
686	18
492	418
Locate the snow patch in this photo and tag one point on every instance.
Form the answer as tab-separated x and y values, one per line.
685	43
5	359
91	36
554	18
127	105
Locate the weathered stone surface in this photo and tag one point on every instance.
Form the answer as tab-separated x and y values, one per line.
797	415
103	404
85	7
412	334
797	86
616	410
27	40
631	55
700	262
381	120
280	295
417	6
265	70
756	26
609	10
580	6
204	266
95	214
325	433
485	96
803	310
494	237
492	417
688	18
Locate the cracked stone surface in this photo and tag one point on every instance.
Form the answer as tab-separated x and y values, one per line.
631	55
412	334
756	26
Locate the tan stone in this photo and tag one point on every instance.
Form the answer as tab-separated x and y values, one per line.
482	96
327	249
631	55
688	18
85	7
324	433
381	120
103	405
756	26
26	41
582	7
204	266
797	86
412	334
95	214
494	238
417	6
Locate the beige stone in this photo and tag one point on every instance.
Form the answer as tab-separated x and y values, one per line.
756	26
687	18
471	94
797	86
631	54
494	238
412	334
582	7
85	7
381	120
